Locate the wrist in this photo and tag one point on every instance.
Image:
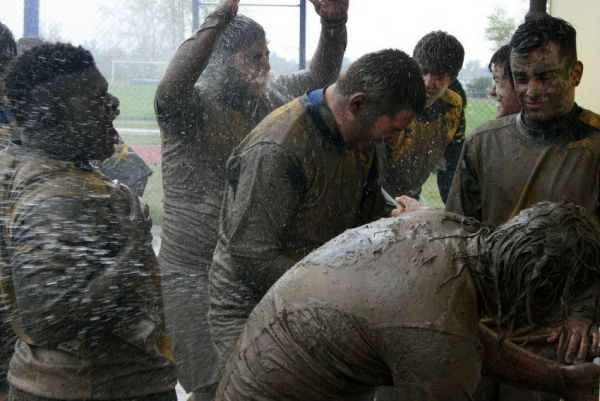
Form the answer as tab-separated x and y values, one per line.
216	19
335	22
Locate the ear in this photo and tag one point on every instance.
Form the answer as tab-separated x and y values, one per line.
356	102
577	72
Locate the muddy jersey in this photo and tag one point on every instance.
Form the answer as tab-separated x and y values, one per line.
80	281
292	185
388	303
127	167
507	165
430	138
198	135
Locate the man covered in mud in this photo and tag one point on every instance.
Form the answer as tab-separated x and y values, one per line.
437	134
77	267
548	151
305	174
216	89
503	88
397	302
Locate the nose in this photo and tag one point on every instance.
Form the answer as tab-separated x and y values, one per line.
113	104
534	88
431	81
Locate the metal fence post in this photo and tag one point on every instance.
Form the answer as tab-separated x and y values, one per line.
31	23
302	50
195	15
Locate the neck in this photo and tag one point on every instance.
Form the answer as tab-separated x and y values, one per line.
333	103
554	127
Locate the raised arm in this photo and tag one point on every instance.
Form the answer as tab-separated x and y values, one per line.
193	55
327	61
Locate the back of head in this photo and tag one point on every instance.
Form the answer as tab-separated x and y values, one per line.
439	53
37	66
390	78
8	47
501	58
24	44
547	256
537	32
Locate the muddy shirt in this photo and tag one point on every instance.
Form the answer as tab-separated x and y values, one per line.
81	282
388	303
198	134
431	138
506	166
127	167
292	185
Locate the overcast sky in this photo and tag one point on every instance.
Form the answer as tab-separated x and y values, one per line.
372	25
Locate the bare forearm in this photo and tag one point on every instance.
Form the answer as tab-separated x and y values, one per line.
327	60
515	365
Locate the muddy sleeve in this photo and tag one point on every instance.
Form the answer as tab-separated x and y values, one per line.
451	156
465	195
264	192
66	271
324	67
373	205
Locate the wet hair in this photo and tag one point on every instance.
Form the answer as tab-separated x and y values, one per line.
24	44
538	31
241	33
40	65
440	53
501	58
548	255
390	78
8	47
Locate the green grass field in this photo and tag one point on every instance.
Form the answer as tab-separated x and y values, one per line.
137	111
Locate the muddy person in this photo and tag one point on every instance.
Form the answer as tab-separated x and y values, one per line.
305	174
397	302
77	268
436	136
216	89
503	87
548	151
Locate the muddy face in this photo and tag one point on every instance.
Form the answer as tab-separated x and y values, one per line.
545	82
503	92
435	86
379	129
253	67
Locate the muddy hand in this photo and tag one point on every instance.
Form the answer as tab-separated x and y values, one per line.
229	6
407	204
331	10
575	341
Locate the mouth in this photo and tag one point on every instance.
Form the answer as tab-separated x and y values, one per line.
535	106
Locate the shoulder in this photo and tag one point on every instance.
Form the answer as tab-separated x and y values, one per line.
452	98
492	128
590	118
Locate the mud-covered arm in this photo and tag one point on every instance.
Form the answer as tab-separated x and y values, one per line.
264	192
465	195
69	268
327	61
514	365
191	58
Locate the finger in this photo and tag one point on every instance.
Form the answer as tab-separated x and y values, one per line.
554	336
595	341
400	202
560	348
573	346
397	212
584	346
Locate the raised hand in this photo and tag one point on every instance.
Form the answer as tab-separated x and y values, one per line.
229	6
331	10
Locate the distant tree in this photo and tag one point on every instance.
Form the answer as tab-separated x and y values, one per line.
479	87
500	27
148	29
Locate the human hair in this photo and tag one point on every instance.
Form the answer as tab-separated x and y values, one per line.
39	65
440	53
548	255
8	47
501	58
239	35
24	44
390	78
538	31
